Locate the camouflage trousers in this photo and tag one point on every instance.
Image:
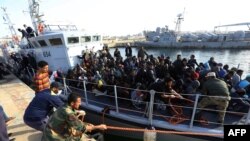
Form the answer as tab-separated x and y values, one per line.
86	138
221	104
49	135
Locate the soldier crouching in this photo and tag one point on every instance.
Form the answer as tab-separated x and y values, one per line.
64	124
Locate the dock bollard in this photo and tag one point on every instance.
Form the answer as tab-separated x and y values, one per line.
149	135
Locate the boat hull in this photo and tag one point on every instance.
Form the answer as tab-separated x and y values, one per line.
197	45
98	118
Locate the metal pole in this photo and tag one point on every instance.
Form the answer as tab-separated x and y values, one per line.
30	76
116	100
85	92
151	106
150	135
248	117
65	86
17	67
194	110
33	72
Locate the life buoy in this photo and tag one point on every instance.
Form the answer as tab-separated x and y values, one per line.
40	27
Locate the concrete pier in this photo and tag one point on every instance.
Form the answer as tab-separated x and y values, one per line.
15	97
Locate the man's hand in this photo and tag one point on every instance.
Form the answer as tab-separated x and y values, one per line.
171	96
102	127
81	113
89	127
178	95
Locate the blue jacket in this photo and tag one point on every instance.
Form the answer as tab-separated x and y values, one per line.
41	105
3	129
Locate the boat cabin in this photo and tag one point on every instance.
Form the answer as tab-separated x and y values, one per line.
61	48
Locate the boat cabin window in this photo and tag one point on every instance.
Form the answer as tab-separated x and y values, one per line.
97	38
85	39
73	40
42	43
55	41
35	43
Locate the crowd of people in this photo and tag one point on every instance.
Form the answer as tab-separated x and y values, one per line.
170	79
67	122
174	79
2	71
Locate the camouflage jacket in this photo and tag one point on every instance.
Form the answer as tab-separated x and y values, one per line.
64	125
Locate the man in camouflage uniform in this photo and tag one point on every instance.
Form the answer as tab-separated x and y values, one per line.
220	95
64	124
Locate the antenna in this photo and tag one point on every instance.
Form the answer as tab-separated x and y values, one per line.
7	21
180	18
34	14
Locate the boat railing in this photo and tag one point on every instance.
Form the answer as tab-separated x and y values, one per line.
87	100
149	108
61	27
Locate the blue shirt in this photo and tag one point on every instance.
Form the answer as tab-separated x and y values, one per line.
41	105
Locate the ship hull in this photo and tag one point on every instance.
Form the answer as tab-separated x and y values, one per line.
98	118
197	45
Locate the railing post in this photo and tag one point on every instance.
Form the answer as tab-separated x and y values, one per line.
116	100
151	107
33	72
65	86
16	67
30	76
248	117
85	92
194	110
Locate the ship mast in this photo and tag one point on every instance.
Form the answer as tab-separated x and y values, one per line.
180	18
178	23
34	14
8	22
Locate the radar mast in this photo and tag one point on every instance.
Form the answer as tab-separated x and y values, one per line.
8	22
35	16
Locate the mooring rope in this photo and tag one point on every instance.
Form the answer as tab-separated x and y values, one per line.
165	132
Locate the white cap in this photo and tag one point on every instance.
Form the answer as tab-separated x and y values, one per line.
211	74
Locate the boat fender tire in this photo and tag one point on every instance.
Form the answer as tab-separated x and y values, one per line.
148	135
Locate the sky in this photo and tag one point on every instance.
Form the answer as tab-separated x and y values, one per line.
123	17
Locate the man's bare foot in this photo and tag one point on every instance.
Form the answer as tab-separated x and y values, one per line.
13	139
9	120
10	134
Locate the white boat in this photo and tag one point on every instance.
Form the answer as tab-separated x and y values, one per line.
57	44
166	38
